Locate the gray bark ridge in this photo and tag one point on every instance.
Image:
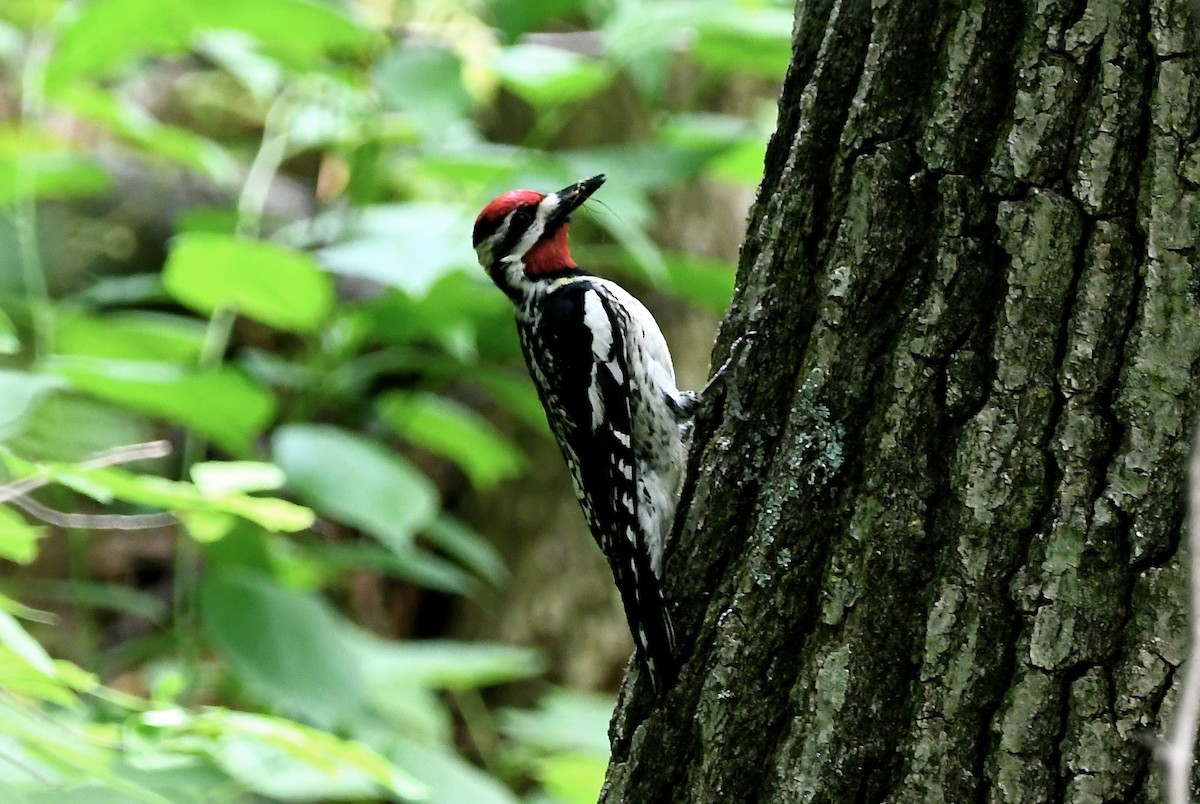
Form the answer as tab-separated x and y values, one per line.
939	561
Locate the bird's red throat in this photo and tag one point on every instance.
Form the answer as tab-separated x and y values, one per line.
550	255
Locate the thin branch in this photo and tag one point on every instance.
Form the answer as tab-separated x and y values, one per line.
112	457
127	454
19	488
93	521
17	493
1178	752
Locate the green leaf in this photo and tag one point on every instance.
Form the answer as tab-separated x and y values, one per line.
21	392
288	649
53	169
215	478
640	36
108	483
70	427
704	282
457	312
264	281
98	39
130	336
450	779
754	41
356	481
743	164
112	596
151	136
573	778
18	539
516	17
220	404
441	664
10	344
304	764
408	246
456	539
23	646
443	426
517	395
427	83
411	563
268	512
548	76
565	720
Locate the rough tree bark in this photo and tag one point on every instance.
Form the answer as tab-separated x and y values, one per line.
938	561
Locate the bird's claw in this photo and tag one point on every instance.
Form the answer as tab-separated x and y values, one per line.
736	352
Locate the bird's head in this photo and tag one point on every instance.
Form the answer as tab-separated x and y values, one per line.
527	230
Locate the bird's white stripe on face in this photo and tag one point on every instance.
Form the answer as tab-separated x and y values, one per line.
486	250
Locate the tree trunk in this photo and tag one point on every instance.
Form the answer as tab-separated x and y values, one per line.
938	560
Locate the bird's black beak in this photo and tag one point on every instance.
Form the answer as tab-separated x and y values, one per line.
570	198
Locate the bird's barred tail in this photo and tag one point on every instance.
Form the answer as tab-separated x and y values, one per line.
650	623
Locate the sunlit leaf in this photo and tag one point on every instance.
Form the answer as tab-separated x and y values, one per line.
215	478
26	648
742	164
355	480
206	525
108	483
18	539
220	404
288	761
573	778
98	38
264	281
442	664
455	431
755	41
130	336
547	76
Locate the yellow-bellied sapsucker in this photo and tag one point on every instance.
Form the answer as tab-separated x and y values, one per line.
605	378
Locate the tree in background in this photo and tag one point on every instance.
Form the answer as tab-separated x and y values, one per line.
939	560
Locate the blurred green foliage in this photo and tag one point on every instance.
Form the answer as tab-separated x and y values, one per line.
177	393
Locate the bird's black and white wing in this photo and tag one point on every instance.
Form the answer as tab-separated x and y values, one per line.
583	368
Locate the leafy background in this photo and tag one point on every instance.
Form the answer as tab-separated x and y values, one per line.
244	343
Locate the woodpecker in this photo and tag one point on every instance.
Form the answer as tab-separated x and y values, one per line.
604	375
